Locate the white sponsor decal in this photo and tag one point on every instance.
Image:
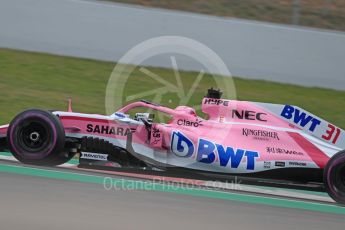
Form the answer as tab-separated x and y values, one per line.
94	156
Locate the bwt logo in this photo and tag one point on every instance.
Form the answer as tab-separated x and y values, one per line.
300	118
207	152
181	145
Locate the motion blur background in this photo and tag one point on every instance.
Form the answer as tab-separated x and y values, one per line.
328	14
279	51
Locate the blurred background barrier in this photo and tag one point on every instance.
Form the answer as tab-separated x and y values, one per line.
328	14
251	49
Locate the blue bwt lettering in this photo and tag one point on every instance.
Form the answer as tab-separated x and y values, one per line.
207	150
300	118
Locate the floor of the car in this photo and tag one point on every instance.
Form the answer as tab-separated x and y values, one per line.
273	178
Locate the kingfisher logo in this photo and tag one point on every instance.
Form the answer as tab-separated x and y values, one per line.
207	152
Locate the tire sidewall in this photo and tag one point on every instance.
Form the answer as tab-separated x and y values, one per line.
56	134
330	174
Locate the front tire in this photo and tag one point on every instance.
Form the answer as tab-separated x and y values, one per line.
36	137
334	177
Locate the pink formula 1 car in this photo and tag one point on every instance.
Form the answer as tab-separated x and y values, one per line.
247	139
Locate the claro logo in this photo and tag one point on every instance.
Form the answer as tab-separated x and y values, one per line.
184	122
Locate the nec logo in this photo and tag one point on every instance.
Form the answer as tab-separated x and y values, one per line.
300	118
248	115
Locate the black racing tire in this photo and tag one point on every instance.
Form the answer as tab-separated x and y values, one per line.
61	159
37	137
334	177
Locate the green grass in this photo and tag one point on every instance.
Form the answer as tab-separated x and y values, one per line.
37	80
329	14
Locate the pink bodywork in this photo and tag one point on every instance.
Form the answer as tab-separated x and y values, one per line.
235	124
286	143
3	130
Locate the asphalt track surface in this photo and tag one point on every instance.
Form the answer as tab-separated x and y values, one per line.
34	202
106	31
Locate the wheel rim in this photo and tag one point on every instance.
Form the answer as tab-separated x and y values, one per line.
33	136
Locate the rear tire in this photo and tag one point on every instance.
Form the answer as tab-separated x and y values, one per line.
37	137
334	177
